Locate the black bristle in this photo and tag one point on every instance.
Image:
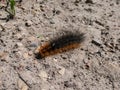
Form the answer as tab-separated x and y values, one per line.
67	39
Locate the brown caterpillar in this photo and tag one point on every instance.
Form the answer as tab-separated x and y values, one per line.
66	42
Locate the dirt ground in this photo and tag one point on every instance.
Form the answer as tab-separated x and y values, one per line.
93	66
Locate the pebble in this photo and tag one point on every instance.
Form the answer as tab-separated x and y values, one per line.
25	88
33	44
118	47
1	82
19	36
2	26
96	34
113	69
96	42
25	55
33	41
93	49
18	54
22	85
19	44
30	53
20	28
3	56
1	70
36	7
55	59
28	77
52	22
43	89
62	71
32	38
43	75
89	1
40	1
28	23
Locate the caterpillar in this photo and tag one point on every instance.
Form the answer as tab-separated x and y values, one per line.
63	43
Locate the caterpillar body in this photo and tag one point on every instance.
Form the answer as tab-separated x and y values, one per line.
66	42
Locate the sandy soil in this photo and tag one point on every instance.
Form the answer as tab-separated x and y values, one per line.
93	66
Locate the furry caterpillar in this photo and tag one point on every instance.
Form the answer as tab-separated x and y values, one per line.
66	42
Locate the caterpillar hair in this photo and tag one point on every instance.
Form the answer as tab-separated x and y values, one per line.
66	42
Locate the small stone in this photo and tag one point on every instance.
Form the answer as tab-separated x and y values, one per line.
2	24
32	38
96	34
3	56
18	0
1	82
1	28
64	56
25	55
96	42
117	47
87	66
25	88
1	70
62	71
28	77
22	85
18	44
28	23
30	53
40	1
68	84
43	75
113	69
89	1
52	22
85	60
19	36
18	54
93	49
20	28
33	44
36	7
55	59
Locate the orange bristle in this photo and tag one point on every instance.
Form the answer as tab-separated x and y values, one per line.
61	44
